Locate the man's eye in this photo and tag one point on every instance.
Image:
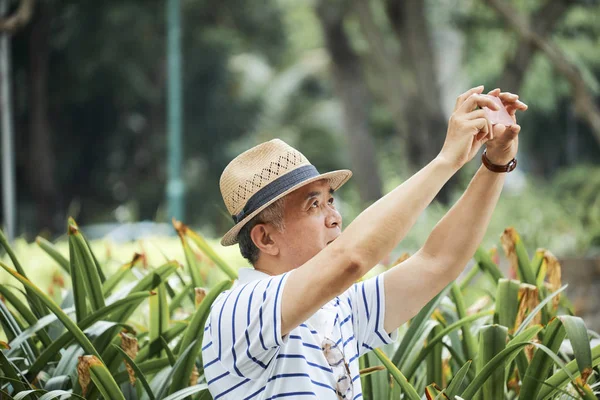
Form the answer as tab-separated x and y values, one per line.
316	203
331	200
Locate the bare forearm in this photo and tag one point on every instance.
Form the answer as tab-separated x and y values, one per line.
456	237
378	229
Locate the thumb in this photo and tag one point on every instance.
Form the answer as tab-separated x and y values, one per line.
499	129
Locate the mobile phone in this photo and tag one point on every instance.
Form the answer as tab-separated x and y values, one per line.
498	117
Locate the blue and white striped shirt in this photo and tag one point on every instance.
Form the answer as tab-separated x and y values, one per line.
245	356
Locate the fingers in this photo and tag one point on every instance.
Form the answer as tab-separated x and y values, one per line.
499	129
461	99
515	129
475	114
512	102
478	100
480	126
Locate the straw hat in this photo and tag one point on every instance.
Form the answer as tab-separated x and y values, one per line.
262	175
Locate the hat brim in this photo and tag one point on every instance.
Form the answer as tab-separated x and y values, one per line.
336	180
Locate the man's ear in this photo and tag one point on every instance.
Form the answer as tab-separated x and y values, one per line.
261	235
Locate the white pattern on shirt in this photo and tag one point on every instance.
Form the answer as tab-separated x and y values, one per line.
245	356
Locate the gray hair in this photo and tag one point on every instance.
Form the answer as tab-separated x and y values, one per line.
273	215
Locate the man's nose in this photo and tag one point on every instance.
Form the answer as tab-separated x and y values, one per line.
334	219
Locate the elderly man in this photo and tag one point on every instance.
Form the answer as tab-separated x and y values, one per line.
295	325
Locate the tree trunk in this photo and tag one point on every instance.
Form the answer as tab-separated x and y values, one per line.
427	124
40	166
353	93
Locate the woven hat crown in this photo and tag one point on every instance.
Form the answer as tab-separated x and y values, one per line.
254	169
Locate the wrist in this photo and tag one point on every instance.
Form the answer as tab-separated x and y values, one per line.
498	166
498	159
444	162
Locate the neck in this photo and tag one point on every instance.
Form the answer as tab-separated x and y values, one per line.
272	265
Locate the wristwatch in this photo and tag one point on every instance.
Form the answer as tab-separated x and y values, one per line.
512	164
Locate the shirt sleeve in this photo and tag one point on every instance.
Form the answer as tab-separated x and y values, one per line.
367	301
246	326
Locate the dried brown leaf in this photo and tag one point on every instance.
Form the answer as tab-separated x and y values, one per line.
508	240
200	295
553	276
528	300
129	344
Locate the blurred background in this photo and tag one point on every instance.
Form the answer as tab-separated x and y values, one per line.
124	113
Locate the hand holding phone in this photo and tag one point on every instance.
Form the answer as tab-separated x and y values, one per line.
498	117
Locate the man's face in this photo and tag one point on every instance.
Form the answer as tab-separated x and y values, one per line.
311	223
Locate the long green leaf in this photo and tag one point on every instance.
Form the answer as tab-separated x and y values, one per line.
525	268
561	378
185	393
77	285
192	262
471	274
540	364
31	319
195	331
507	303
577	334
206	249
457	381
26	393
159	314
103	380
468	338
67	322
525	336
53	253
153	348
109	285
148	367
409	391
59	394
484	261
491	367
91	278
138	372
434	360
492	340
438	338
164	382
183	293
62	341
416	325
12	373
36	305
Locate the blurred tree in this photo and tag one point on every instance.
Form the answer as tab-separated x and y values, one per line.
90	92
365	84
547	52
582	95
353	94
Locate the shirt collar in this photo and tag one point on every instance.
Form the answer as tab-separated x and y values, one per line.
246	275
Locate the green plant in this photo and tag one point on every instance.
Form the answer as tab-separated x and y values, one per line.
458	346
508	346
90	346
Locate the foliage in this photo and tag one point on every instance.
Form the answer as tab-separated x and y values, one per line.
93	341
251	72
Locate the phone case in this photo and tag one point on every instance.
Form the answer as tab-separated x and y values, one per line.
498	117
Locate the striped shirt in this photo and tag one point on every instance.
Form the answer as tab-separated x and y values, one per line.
246	357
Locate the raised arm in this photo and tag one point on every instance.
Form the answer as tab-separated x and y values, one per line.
454	240
377	230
